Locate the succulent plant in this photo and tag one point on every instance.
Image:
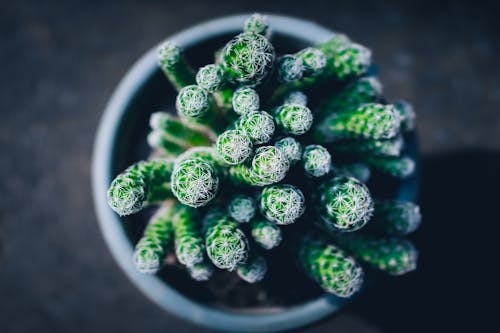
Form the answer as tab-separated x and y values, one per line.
345	204
230	178
334	270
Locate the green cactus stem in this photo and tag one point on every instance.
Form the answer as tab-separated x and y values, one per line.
360	171
314	61
195	182
245	100
156	241
395	166
158	140
139	185
345	59
258	24
253	270
265	233
282	204
295	97
242	208
177	131
394	256
210	78
258	125
202	271
335	271
189	244
227	246
407	115
247	59
385	147
290	68
368	121
361	91
233	147
396	217
174	65
317	161
294	119
291	148
345	204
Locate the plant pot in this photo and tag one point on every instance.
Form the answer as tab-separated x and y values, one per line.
121	141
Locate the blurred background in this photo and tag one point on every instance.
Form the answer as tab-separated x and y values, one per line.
60	62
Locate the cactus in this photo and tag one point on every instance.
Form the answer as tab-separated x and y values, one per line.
387	147
210	78
317	160
222	168
393	256
227	246
266	234
233	147
174	65
345	204
291	148
242	208
253	270
156	241
330	267
368	121
189	246
139	185
396	217
245	100
195	182
282	204
247	59
395	166
258	125
294	119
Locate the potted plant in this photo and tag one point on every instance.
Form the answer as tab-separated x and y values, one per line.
259	196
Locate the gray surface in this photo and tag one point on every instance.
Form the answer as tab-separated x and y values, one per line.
60	63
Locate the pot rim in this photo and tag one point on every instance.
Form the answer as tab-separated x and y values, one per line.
111	226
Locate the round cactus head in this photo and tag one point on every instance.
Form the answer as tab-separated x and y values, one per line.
317	160
345	204
290	68
258	24
244	100
294	119
258	125
282	204
269	165
313	59
201	271
192	101
233	147
227	246
194	182
147	260
266	234
291	147
209	78
247	59
169	54
127	194
242	208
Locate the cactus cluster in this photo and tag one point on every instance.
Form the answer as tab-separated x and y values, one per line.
262	141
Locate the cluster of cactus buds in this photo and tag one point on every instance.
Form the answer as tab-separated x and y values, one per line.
262	141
